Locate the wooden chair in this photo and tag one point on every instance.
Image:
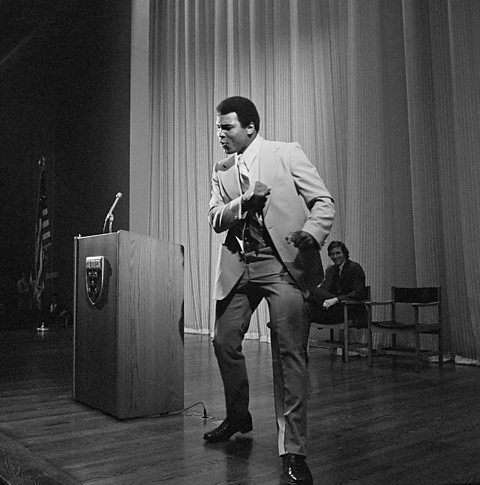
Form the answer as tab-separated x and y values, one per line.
342	340
418	299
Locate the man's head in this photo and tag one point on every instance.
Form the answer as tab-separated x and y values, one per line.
238	123
338	252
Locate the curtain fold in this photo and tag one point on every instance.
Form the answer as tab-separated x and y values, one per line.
384	99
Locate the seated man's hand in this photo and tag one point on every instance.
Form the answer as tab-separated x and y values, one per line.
330	302
255	198
302	240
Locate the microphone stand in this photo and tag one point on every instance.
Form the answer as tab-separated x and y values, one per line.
108	219
105	225
109	216
110	223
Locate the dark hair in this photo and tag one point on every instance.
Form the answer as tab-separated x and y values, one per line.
338	244
246	111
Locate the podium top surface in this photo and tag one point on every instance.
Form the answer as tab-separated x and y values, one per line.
99	235
122	234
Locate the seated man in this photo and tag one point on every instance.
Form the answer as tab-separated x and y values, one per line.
344	280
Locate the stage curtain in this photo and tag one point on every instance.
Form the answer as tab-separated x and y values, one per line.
383	97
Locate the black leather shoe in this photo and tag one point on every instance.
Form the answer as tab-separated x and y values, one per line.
296	470
228	428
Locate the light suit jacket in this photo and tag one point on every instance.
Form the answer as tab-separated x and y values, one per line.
298	200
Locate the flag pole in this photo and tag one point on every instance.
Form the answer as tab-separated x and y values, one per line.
41	165
41	224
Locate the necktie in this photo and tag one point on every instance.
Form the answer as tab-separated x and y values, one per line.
253	232
337	281
243	173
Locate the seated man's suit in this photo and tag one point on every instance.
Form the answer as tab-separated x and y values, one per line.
349	284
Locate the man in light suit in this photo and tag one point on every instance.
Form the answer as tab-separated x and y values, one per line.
276	213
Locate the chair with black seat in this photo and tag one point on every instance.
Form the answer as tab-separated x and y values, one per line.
351	320
417	299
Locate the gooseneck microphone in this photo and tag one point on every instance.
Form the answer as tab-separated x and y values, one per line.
109	216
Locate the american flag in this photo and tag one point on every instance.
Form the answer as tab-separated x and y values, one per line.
43	241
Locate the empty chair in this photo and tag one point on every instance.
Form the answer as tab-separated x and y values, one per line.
422	323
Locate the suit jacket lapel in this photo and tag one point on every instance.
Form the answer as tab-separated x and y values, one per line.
268	168
267	172
345	270
229	177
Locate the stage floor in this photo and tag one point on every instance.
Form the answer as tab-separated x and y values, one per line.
385	425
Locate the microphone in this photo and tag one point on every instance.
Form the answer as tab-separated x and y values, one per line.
110	212
117	198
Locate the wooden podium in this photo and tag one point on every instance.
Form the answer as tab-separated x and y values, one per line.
128	324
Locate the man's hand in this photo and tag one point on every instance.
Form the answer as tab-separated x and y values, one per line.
330	302
302	240
255	199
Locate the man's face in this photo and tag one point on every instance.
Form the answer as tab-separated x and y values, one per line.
232	137
337	256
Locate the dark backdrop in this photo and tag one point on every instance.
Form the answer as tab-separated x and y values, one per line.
65	95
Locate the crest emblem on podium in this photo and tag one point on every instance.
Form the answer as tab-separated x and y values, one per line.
95	279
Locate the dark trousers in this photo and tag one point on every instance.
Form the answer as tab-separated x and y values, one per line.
265	277
334	314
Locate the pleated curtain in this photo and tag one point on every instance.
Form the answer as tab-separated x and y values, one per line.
383	97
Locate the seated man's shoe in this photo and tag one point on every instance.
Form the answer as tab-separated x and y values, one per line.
296	470
228	428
